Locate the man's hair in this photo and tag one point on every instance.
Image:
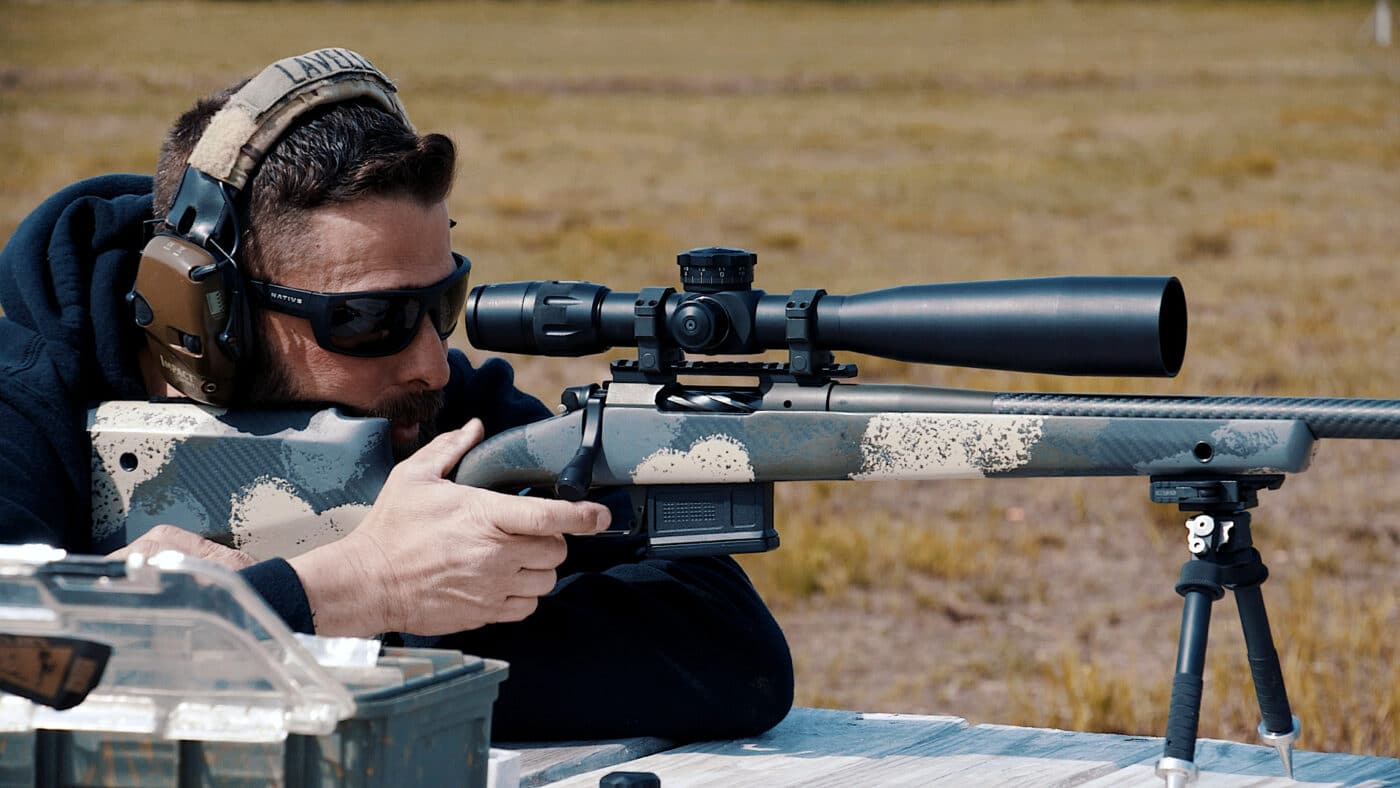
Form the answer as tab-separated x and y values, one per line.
331	155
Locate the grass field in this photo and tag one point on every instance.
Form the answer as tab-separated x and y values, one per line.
1251	149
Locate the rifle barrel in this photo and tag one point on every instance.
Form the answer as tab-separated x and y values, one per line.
1326	417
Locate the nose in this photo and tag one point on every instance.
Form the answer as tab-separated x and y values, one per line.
424	362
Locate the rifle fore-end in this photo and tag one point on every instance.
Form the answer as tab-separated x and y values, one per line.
684	467
650	446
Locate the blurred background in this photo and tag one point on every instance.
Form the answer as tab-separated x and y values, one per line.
1251	149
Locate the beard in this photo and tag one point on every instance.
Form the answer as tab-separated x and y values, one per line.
270	383
418	407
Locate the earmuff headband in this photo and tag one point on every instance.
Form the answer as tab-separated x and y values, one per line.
240	134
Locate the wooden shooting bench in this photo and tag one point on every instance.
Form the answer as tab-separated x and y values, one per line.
846	748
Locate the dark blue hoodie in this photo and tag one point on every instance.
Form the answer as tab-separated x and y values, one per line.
622	647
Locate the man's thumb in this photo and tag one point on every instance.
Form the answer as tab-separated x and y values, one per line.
442	453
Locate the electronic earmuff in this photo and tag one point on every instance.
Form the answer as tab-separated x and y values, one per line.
189	294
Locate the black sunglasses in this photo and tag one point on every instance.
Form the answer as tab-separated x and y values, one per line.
371	323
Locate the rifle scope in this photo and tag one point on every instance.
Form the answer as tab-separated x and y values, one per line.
1085	325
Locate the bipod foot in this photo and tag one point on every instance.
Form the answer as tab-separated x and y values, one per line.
1283	742
1177	772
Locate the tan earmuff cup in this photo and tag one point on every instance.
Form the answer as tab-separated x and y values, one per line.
183	317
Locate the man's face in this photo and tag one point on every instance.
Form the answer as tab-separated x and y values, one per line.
371	244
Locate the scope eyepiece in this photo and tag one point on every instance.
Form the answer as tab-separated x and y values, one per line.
547	318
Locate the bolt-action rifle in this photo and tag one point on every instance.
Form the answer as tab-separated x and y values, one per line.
700	460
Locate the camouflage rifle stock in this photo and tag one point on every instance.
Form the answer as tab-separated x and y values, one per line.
273	483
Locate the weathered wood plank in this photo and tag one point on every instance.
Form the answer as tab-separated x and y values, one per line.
1225	764
541	764
809	746
820	747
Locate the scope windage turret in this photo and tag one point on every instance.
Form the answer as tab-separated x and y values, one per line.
1088	325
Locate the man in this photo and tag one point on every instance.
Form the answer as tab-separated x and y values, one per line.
350	199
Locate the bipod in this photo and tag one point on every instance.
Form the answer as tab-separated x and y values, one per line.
1222	556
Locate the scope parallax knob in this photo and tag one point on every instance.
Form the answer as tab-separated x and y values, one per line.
716	268
698	325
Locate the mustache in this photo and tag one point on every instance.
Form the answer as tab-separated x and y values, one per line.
422	407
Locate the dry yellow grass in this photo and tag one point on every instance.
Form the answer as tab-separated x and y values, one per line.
1251	149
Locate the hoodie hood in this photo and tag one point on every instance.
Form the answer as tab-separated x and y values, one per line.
64	275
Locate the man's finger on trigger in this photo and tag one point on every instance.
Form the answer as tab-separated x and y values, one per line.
583	517
540	517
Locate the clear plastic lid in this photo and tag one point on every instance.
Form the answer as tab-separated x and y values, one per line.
195	653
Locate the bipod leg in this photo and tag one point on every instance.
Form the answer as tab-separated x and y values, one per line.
1279	728
1224	557
1199	587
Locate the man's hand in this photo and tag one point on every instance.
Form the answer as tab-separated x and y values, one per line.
168	537
434	557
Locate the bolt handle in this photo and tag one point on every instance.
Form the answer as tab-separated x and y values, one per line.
577	476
